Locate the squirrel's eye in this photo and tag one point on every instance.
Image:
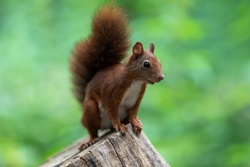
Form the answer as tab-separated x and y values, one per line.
146	64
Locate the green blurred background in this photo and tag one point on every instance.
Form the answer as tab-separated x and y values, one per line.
199	116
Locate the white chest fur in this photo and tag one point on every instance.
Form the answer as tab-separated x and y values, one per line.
129	99
131	95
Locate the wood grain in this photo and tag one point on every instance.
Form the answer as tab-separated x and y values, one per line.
113	150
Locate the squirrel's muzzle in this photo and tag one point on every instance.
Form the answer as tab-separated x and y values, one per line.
160	77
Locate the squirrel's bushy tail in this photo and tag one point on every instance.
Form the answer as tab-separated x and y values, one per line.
106	46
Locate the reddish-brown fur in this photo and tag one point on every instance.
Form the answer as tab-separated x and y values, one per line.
102	83
107	45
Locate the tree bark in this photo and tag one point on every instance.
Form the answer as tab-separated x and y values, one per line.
113	149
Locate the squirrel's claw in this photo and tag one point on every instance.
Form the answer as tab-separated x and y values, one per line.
137	130
137	126
122	128
87	144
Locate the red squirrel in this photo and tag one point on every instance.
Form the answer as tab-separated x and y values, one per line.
111	90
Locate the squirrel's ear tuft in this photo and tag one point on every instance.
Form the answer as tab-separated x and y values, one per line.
138	49
151	47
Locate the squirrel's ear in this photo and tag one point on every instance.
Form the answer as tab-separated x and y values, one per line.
138	49
151	47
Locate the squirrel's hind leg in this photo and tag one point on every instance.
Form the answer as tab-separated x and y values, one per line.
85	145
91	120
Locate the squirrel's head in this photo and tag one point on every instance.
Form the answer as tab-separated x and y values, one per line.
144	64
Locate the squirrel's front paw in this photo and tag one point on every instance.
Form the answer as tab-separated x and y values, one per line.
137	126
122	128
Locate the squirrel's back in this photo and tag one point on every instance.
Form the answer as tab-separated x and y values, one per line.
106	46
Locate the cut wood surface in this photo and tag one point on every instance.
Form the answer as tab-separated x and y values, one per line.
113	149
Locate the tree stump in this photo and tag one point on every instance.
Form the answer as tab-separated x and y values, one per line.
113	149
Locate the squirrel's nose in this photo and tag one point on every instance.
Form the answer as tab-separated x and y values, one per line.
161	77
